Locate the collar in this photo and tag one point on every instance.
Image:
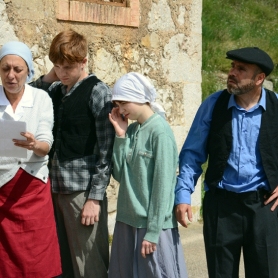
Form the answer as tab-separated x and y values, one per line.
64	87
262	101
27	100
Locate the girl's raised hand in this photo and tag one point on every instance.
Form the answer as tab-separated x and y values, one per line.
120	124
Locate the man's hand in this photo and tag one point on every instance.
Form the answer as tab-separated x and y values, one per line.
50	77
90	212
273	196
147	248
181	211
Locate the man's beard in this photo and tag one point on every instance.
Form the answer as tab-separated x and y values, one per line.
240	90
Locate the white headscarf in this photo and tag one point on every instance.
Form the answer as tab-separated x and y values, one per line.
134	87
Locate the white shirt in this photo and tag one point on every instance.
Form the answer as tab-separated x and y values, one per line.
36	109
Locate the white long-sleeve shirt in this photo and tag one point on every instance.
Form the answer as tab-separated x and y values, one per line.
36	109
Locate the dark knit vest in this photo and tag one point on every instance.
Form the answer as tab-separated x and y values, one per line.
74	124
220	140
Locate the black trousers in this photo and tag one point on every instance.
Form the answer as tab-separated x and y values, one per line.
240	222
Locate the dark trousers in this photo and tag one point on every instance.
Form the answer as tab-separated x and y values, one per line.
240	222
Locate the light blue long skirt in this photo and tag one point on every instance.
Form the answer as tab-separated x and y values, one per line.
127	262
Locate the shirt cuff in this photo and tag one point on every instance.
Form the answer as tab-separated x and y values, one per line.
96	196
182	196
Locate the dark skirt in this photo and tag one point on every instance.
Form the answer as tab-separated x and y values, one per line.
28	237
127	262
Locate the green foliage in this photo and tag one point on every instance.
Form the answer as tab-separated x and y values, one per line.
234	24
204	168
110	239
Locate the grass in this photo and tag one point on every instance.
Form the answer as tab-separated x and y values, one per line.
110	239
228	25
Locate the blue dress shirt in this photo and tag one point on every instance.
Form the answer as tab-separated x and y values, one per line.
244	171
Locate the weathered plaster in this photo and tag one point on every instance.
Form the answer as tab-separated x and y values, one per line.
166	47
7	31
181	16
106	66
160	17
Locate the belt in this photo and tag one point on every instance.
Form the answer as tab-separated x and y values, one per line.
250	195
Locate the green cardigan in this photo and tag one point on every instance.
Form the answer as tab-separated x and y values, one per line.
145	164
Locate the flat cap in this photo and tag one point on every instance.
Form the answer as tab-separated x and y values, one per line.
252	55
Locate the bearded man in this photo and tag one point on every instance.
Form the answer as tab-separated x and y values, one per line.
236	129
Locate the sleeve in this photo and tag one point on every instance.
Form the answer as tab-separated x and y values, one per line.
101	106
41	84
164	178
194	152
119	157
44	130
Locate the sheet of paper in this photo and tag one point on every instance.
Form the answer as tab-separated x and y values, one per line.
10	130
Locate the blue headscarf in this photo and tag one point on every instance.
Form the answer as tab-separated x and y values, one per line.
22	50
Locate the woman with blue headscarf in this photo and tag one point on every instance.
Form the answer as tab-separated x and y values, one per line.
28	240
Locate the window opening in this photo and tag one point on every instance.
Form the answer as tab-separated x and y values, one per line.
120	3
113	12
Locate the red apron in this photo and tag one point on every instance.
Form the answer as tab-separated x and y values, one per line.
28	237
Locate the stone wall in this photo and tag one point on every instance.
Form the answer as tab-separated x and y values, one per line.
166	47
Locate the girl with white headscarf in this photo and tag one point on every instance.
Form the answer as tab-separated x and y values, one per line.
28	237
145	158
